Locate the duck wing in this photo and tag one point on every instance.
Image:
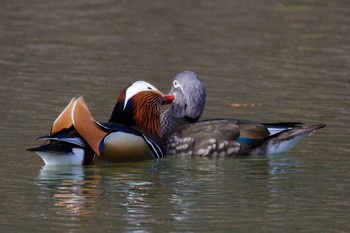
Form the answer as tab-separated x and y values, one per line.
218	137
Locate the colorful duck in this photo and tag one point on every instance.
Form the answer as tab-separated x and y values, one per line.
184	135
135	134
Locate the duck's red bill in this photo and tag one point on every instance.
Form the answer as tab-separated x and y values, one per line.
168	99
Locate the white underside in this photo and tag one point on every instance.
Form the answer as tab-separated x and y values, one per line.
51	158
284	146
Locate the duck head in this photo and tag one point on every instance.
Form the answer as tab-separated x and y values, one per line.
189	95
189	102
139	105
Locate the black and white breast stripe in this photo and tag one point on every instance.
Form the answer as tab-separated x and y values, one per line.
155	149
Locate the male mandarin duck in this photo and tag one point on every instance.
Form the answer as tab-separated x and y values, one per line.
186	136
135	133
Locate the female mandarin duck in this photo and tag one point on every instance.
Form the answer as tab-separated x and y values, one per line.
134	135
183	135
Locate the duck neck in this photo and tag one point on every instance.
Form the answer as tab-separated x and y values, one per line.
119	116
169	122
145	118
141	112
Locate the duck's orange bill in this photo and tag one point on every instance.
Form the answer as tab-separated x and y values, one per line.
168	99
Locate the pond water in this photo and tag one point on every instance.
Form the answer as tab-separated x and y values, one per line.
280	60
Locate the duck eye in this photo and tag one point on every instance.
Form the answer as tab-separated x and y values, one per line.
176	83
149	88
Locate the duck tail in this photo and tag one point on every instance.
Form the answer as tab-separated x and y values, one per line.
286	140
86	126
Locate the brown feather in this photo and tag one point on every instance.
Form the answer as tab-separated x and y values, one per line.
253	130
63	121
147	112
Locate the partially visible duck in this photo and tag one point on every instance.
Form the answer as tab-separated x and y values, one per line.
185	135
135	133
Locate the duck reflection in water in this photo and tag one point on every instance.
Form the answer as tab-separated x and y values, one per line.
74	189
135	192
142	195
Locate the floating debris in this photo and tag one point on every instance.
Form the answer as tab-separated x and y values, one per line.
237	105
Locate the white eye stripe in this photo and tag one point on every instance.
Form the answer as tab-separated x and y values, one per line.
177	85
135	88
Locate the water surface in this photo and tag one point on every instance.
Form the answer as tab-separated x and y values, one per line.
289	58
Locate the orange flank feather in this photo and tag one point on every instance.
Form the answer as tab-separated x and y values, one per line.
86	126
64	120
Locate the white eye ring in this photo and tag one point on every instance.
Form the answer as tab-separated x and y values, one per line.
176	84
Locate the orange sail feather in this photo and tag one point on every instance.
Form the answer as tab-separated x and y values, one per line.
86	126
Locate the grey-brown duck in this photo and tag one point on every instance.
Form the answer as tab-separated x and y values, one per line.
184	135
